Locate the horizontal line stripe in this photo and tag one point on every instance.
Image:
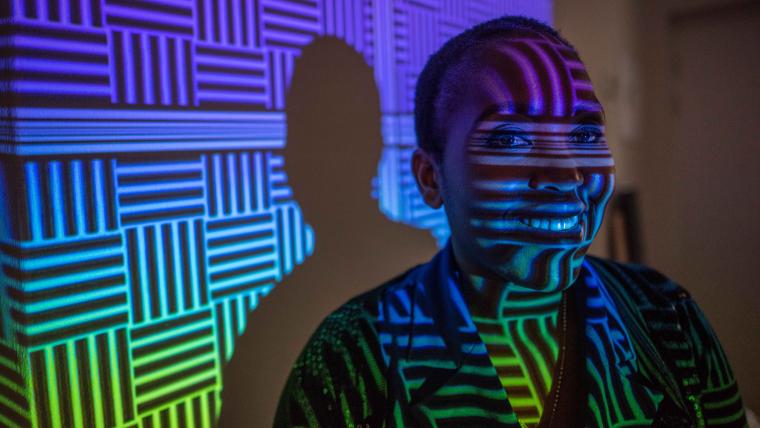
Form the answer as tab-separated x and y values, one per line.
62	248
75	46
115	139
152	7
89	325
179	394
144	147
556	162
67	268
153	115
230	223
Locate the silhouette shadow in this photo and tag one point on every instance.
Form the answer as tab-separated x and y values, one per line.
334	145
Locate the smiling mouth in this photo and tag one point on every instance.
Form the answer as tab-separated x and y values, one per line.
555	224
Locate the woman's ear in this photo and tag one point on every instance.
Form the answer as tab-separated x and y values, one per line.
426	173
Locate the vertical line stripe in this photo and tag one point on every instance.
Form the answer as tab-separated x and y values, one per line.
64	388
67	193
200	15
125	374
104	372
223	22
97	16
53	10
177	279
244	24
208	9
99	195
194	265
245	188
138	88
41	402
153	286
56	197
110	200
129	69
116	66
200	246
75	12
76	396
65	13
217	183
233	175
165	73
161	273
258	202
45	196
265	171
147	68
210	188
228	181
217	4
182	89
117	380
280	243
187	283
190	73
90	196
173	68
33	199
30	9
221	344
169	269
85	387
134	276
145	291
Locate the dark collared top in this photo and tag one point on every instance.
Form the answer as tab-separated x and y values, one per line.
408	354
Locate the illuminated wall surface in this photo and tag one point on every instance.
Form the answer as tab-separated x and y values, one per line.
145	205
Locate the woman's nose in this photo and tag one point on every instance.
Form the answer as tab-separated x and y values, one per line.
556	178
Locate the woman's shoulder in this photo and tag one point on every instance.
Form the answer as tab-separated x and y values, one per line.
355	319
683	335
641	284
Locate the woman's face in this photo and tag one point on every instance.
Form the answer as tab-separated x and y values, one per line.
526	171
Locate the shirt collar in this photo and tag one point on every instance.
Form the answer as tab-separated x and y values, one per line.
440	285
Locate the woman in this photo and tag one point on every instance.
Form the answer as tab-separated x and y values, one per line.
511	324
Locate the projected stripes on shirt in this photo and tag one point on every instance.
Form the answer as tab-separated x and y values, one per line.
522	345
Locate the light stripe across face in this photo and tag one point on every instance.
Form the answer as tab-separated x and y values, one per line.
546	74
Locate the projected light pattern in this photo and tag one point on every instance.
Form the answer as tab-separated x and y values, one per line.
422	360
528	329
431	361
145	206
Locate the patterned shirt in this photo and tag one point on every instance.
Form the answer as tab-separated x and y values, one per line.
409	354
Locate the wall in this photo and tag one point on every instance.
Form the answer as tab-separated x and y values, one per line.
146	204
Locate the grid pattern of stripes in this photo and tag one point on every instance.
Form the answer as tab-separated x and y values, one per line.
145	209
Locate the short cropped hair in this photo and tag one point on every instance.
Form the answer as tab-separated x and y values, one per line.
453	55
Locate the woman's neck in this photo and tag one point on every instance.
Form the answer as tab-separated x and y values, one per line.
490	298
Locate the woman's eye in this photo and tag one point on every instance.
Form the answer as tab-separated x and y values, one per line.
509	139
586	136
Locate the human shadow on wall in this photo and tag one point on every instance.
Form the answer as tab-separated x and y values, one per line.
333	148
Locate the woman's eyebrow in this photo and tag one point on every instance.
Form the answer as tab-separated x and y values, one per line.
593	117
505	111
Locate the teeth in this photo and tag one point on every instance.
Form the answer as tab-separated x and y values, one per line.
553	224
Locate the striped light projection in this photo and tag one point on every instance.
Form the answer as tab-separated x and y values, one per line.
145	208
